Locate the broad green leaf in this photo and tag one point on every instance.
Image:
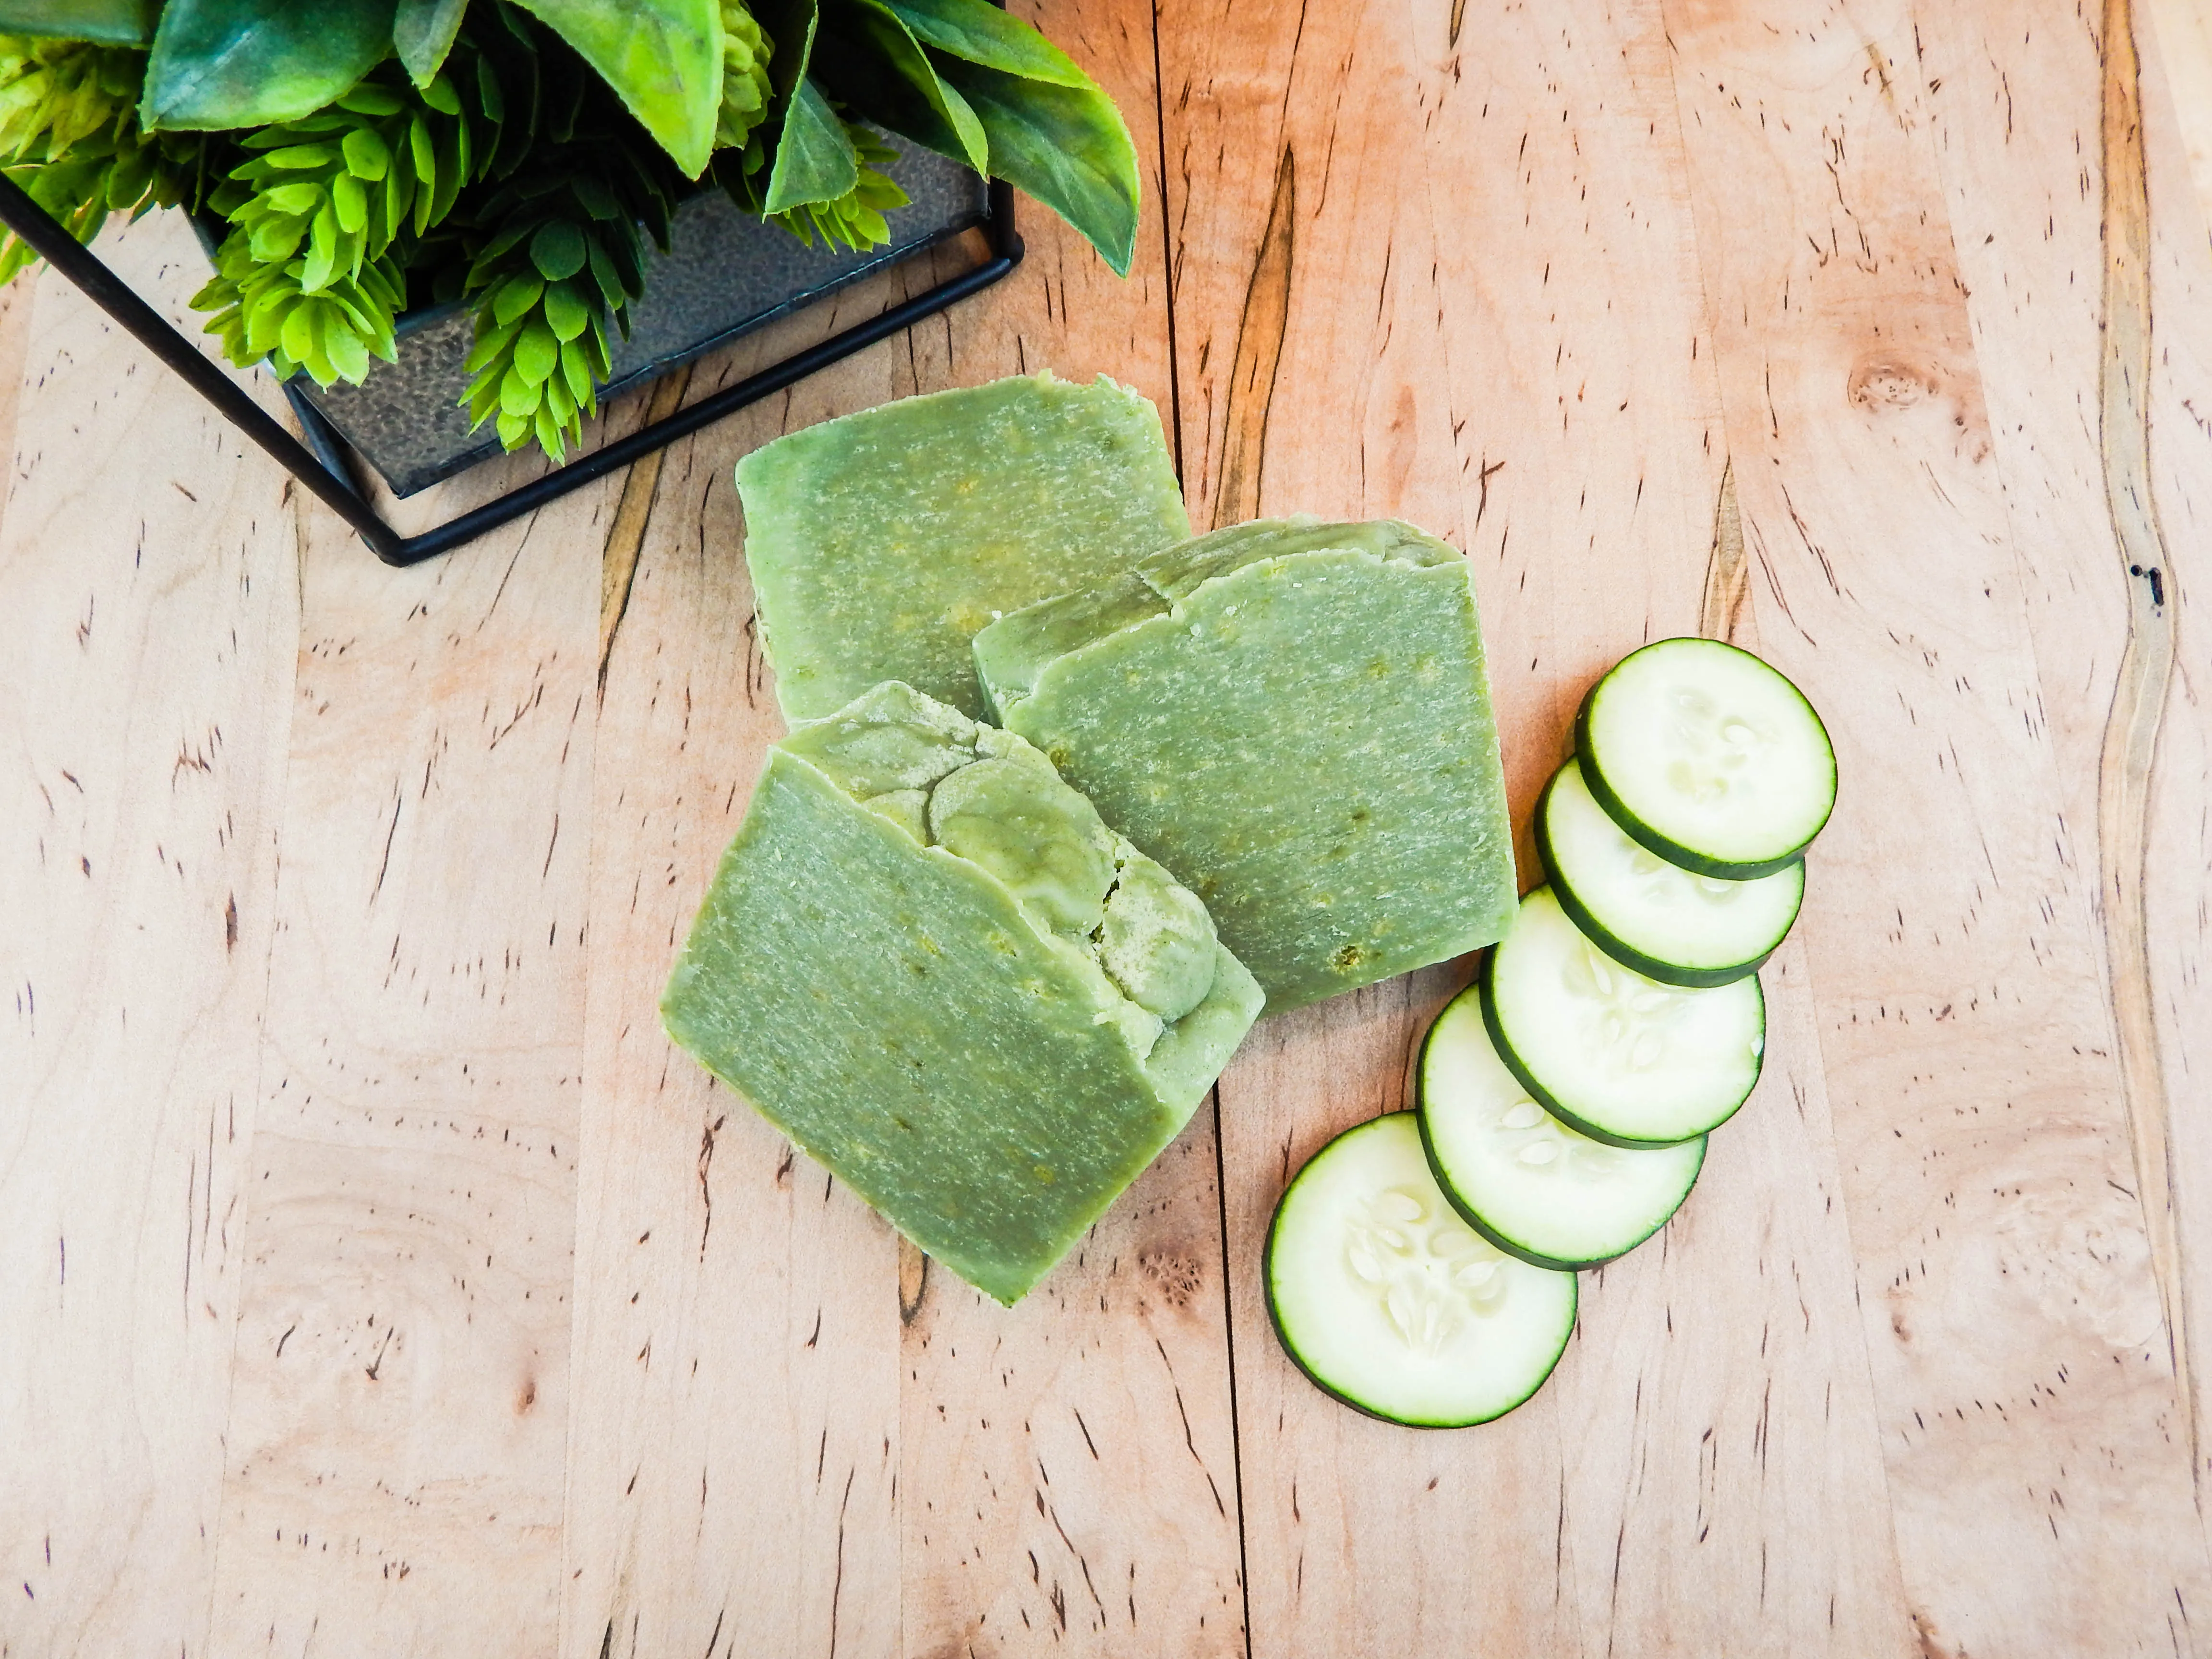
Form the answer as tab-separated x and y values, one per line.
977	32
663	57
219	64
1065	146
814	158
423	31
867	57
117	22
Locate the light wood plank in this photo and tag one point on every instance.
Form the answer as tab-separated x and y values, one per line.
1068	1467
15	308
1730	1494
149	576
1439	261
1725	1363
2026	1398
965	1477
1709	1438
1310	335
2027	218
732	1439
396	1453
2033	247
2178	869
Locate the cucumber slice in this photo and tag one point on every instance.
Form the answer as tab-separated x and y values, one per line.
1388	1302
1655	917
1707	756
1621	1058
1523	1180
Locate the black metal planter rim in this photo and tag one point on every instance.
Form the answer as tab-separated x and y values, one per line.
321	463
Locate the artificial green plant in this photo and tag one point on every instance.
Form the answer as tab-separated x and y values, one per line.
362	156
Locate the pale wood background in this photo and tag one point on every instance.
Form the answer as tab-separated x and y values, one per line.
375	1279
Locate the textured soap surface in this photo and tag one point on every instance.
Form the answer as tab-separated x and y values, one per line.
926	960
1294	717
879	543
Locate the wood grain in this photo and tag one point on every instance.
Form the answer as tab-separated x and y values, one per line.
376	1278
2034	246
2184	54
732	1441
1577	425
144	698
959	1477
1308	338
2145	672
2178	870
2019	1362
395	1453
1724	1398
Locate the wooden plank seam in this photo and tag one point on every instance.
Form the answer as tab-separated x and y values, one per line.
2139	699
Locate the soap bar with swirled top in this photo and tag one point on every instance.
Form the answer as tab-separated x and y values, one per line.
1294	717
879	543
926	960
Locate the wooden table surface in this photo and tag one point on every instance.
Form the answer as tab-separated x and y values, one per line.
375	1280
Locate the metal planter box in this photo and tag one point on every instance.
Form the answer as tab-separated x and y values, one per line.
725	275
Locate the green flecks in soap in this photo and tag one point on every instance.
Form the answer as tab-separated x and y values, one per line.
1297	721
935	1025
881	541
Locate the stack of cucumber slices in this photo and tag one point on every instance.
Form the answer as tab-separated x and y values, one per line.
1421	1266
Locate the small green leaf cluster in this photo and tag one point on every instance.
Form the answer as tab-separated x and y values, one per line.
70	136
267	313
747	90
54	94
855	218
564	255
304	280
343	182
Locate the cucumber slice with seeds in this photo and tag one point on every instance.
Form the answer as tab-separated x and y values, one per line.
1664	921
1707	756
1523	1180
1620	1057
1390	1303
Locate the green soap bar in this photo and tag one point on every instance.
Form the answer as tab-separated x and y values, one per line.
881	542
1293	715
927	961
